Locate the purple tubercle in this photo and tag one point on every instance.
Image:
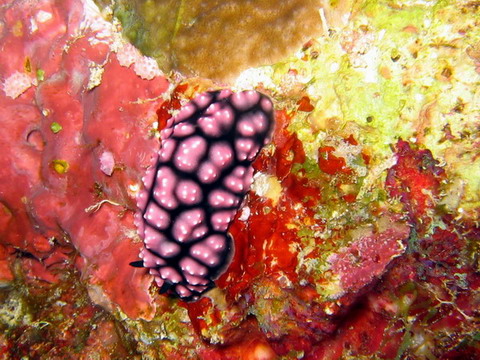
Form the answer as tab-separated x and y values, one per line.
202	172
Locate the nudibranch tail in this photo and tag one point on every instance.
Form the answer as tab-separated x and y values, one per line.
202	172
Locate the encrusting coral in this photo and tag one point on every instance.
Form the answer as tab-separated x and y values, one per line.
218	39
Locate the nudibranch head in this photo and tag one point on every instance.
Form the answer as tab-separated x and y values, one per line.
202	172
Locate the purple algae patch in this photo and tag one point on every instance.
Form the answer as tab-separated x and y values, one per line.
193	191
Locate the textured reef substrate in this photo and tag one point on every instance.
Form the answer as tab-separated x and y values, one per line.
358	240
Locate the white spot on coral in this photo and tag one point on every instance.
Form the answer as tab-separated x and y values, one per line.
245	214
33	25
267	186
250	78
369	65
107	163
127	54
146	68
94	21
334	67
96	72
43	16
16	84
134	187
419	97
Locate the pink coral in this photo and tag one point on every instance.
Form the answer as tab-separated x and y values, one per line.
368	256
146	68
50	178
16	84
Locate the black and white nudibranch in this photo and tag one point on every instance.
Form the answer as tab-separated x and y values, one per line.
202	172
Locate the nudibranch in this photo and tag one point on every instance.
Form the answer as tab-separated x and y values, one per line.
201	174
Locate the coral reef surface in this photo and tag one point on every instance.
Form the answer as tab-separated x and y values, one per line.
359	238
217	39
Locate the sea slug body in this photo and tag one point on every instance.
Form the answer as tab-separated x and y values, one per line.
192	193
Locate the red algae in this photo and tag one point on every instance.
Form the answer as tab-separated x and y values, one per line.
304	104
329	163
415	179
164	111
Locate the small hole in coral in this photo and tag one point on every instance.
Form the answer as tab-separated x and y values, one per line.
35	139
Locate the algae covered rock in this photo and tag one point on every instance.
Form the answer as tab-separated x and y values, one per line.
359	238
218	39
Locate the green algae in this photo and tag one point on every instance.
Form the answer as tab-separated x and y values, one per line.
60	166
38	318
398	70
166	334
55	127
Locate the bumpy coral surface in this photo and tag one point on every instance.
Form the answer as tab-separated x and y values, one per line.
218	39
68	160
358	239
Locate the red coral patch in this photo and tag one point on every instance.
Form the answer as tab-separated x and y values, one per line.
415	179
331	164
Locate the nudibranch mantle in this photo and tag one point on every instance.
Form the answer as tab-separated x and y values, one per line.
201	174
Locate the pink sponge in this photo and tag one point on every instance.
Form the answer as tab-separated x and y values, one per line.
192	193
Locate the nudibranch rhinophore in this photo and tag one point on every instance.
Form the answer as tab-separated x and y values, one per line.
202	172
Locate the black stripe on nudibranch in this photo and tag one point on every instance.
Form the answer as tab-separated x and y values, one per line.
202	172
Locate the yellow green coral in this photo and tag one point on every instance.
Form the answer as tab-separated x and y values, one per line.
398	69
